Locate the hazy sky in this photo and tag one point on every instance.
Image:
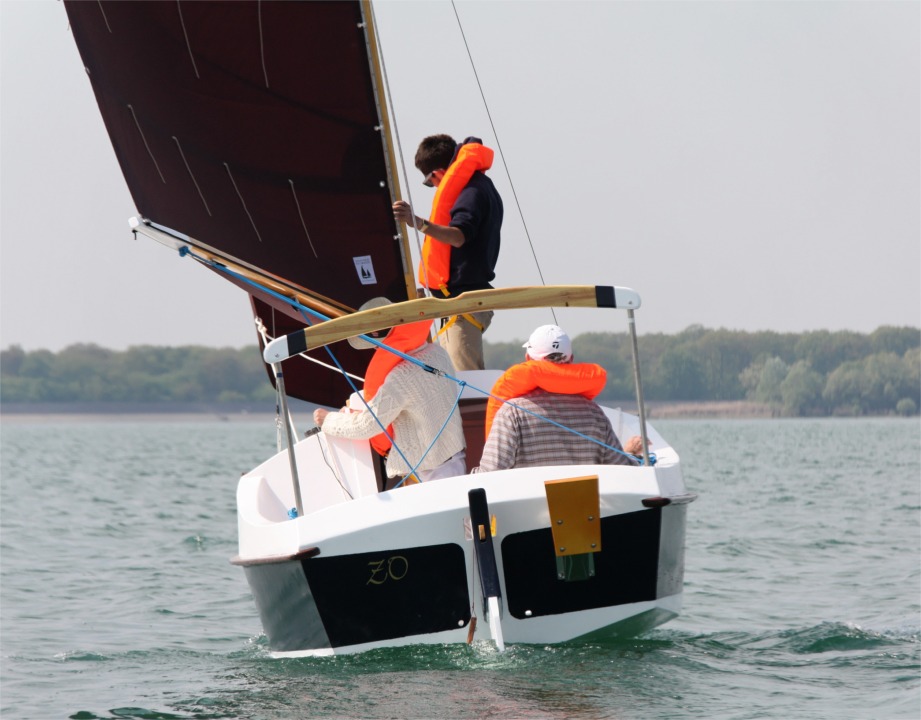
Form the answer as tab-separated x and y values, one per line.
747	165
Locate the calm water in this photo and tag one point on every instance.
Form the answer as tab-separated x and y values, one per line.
802	589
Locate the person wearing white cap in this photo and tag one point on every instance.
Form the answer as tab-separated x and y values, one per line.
548	384
549	342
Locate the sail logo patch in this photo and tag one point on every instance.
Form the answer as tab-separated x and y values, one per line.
365	269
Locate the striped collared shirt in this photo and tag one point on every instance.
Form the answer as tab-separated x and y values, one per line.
519	439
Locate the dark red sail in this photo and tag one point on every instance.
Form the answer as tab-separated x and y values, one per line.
255	129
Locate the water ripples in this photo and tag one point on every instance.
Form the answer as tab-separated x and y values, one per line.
801	597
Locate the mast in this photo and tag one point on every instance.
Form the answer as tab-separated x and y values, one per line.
380	97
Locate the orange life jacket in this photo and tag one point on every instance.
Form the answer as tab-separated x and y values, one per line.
435	266
585	379
403	338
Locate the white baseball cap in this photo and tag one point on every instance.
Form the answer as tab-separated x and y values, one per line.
547	340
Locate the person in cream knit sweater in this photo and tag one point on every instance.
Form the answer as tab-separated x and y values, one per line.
416	403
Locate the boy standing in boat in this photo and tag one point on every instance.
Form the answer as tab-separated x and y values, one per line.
462	236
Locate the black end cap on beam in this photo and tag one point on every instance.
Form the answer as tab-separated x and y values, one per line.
297	343
604	296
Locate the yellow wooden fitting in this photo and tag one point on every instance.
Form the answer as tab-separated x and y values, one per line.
575	515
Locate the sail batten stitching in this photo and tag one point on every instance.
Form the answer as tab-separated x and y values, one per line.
191	175
187	43
242	202
146	144
265	72
102	10
301	216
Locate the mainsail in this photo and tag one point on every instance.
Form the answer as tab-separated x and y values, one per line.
258	131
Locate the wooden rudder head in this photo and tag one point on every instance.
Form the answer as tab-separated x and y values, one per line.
575	512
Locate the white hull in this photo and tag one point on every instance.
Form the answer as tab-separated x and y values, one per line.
381	569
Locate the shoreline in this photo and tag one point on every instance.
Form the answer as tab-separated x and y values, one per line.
152	417
31	413
37	413
261	412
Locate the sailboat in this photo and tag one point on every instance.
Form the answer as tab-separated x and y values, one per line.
256	140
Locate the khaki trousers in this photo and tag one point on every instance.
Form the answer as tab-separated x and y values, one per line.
463	341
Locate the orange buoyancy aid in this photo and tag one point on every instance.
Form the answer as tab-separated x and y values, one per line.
585	379
435	266
403	338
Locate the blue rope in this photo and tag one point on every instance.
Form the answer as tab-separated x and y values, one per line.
412	471
303	310
409	358
576	432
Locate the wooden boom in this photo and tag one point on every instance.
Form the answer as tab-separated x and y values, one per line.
322	305
366	321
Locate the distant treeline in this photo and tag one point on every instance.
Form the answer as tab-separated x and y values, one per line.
813	373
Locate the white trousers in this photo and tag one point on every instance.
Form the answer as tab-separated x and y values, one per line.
452	467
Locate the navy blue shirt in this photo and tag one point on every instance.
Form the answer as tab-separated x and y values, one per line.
478	214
